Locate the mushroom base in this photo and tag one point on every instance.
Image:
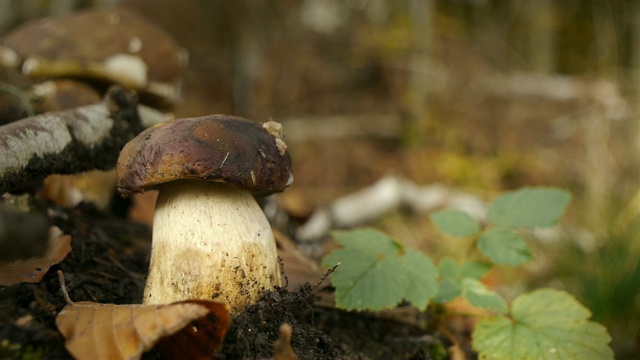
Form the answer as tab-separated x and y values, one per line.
210	241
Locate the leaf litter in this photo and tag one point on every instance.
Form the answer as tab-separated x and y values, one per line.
33	269
109	331
108	264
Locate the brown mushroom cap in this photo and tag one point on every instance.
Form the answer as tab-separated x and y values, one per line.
216	148
109	44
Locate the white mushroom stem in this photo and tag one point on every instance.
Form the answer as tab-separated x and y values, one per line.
210	241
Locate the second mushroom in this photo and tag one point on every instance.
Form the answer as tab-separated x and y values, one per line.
211	239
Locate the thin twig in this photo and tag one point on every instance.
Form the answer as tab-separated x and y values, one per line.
63	287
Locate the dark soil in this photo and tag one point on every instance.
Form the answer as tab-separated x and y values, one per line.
108	264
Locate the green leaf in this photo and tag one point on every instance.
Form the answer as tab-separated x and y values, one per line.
529	207
448	289
505	246
366	239
477	294
452	274
544	324
448	268
421	275
375	273
474	269
455	223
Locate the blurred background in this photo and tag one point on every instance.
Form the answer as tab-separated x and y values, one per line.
481	96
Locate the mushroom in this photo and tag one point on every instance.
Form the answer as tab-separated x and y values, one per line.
111	45
210	239
80	55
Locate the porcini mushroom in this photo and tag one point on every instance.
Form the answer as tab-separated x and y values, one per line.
111	45
211	239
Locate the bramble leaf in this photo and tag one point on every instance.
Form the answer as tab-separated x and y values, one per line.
448	289
448	268
366	239
455	223
477	294
474	269
375	273
544	324
452	274
421	275
529	207
505	246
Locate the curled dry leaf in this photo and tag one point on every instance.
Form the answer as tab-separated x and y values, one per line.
32	270
190	329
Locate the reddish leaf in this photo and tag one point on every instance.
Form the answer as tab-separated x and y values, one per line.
201	337
188	329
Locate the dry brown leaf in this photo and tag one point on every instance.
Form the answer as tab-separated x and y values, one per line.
300	268
143	207
190	329
32	270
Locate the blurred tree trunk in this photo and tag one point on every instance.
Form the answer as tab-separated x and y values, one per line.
633	207
540	14
417	124
634	14
597	123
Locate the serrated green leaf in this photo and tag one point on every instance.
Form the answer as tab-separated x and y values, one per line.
477	294
374	288
421	275
529	207
448	268
448	289
544	324
449	285
455	223
366	239
474	269
505	246
375	273
452	274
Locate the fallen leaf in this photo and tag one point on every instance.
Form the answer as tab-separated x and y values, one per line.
32	270
301	268
201	338
190	329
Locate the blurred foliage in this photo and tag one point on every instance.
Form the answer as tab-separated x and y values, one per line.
604	273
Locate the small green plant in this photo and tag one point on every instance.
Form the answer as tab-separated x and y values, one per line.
10	350
376	272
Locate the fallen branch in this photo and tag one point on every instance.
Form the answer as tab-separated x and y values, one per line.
67	142
387	194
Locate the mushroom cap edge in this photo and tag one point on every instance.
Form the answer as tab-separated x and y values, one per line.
217	148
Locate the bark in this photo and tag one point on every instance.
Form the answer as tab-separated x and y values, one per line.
541	30
67	142
418	122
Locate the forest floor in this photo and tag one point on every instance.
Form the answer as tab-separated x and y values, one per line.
108	263
343	101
